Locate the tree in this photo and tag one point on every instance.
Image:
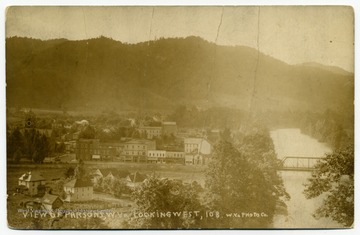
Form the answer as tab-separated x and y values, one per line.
60	148
15	143
135	134
17	155
107	185
237	184
258	148
36	146
165	195
30	140
70	172
334	178
80	171
226	135
88	133
120	187
42	148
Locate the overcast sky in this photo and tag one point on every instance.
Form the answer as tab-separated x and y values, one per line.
292	34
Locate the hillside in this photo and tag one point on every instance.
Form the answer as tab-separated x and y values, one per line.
103	73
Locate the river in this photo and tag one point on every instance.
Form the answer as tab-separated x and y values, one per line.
291	142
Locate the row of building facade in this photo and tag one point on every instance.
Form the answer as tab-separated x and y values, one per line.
196	151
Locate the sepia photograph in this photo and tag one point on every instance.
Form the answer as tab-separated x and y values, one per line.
179	117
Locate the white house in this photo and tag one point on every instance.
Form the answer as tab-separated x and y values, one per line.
78	190
197	150
197	145
33	181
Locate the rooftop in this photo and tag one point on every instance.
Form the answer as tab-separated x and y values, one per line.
194	140
169	123
32	177
88	140
115	172
76	183
137	177
150	127
139	141
111	144
49	198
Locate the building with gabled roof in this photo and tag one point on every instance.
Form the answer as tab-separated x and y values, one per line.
197	145
51	202
78	190
111	173
135	179
33	181
197	150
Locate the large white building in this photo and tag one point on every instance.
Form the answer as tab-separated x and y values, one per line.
197	150
136	150
78	190
197	145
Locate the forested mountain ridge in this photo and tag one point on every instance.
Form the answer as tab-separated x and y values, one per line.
161	74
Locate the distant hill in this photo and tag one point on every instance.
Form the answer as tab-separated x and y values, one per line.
332	69
103	73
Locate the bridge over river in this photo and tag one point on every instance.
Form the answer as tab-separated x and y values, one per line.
299	153
295	163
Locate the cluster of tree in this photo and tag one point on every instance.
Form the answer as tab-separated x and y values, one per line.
334	127
328	127
115	134
110	118
44	123
334	178
88	132
177	71
57	133
31	144
241	178
169	142
238	179
157	195
215	117
114	186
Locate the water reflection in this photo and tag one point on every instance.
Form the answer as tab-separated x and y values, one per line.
291	142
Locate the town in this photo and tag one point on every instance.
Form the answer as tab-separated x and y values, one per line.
87	167
159	143
62	164
179	117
